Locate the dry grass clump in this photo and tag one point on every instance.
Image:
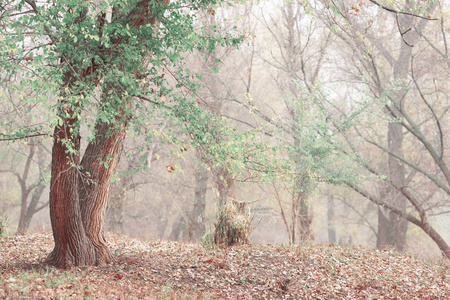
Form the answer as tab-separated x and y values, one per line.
234	224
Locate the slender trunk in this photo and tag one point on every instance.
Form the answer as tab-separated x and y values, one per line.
330	219
305	233
300	196
294	213
197	226
23	213
25	191
38	190
32	207
162	224
383	228
178	229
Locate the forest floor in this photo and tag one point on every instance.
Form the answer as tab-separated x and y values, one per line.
149	269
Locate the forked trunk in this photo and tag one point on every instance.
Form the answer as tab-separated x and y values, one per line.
32	207
78	199
79	191
72	247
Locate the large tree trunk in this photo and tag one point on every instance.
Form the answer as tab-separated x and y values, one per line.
79	191
98	165
97	168
72	246
78	199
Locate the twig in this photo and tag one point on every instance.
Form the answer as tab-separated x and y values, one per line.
25	137
401	12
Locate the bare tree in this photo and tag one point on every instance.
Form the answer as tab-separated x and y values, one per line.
30	192
389	72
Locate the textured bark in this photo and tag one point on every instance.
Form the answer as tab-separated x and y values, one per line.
78	198
79	192
98	166
72	247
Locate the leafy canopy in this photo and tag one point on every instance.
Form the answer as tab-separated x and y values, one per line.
58	54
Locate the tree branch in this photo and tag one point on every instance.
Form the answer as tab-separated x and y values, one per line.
401	12
23	137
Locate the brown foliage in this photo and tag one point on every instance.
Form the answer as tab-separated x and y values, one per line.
170	270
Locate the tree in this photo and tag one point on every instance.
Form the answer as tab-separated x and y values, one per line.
388	72
28	209
31	185
126	51
212	100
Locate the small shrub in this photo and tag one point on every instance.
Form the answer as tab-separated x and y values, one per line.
234	224
207	240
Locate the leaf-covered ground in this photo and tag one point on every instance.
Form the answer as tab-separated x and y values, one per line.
170	270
